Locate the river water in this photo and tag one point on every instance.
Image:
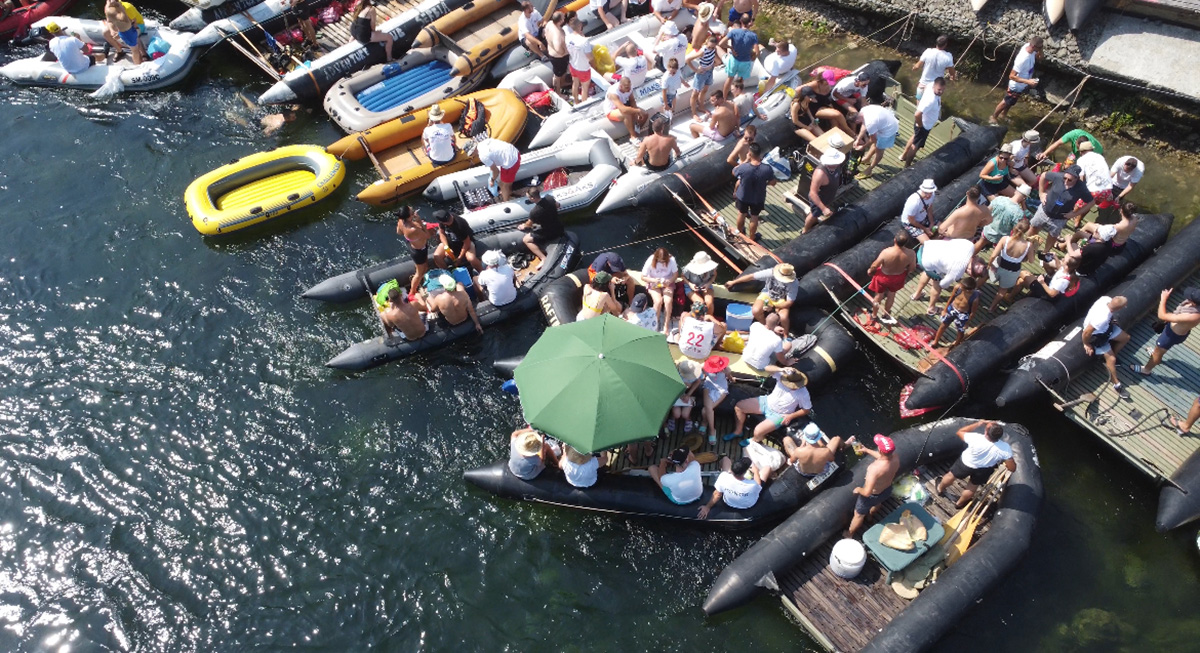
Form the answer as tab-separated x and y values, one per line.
181	473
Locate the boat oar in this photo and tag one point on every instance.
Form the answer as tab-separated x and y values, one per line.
991	493
1087	397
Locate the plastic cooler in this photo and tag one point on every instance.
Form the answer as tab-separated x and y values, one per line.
739	317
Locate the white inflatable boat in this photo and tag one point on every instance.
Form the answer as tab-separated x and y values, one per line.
209	31
592	165
151	75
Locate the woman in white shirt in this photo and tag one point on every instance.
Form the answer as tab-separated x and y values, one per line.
438	138
658	275
581	469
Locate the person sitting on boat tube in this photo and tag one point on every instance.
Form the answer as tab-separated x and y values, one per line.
453	306
614	265
363	28
498	278
612	13
779	291
438	138
848	92
641	313
722	122
917	217
715	384
732	486
985	451
621	107
631	63
690	373
823	188
805	451
581	469
699	332
529	30
656	149
543	225
877	486
457	245
68	50
1063	282
765	344
682	485
788	402
504	160
698	277
529	453
596	299
401	317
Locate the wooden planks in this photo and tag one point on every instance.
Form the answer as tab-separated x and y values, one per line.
1136	428
841	614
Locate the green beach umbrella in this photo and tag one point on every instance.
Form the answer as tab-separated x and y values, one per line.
598	383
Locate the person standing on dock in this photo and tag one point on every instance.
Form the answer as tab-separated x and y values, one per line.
1185	427
1102	336
877	127
529	30
917	215
753	179
929	112
1126	172
742	44
1020	77
889	272
938	63
1177	326
877	486
363	28
985	451
823	188
556	50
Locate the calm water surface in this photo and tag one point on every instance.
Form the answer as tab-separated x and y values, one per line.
181	473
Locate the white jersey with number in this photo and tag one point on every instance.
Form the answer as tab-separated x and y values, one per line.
696	338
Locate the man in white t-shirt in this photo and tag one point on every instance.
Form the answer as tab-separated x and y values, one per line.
943	263
630	63
1103	337
787	402
732	486
1126	172
849	92
877	127
68	49
671	44
779	62
504	160
929	112
917	216
438	138
529	30
498	278
984	452
1019	78
937	62
1095	174
765	345
684	484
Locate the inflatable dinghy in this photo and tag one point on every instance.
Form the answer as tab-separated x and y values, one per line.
151	75
591	165
16	25
261	187
396	150
561	255
224	21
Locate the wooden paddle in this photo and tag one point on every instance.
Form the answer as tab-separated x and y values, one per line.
991	493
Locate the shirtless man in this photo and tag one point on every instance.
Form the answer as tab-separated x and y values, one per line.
807	453
401	317
556	49
411	227
889	273
722	123
454	306
741	8
877	486
120	31
967	219
1178	326
655	151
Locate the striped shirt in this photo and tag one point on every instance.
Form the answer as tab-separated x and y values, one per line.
708	56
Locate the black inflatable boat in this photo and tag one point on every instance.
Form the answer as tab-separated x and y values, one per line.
940	606
1027	321
562	255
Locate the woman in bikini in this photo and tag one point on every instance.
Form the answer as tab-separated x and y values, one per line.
363	28
803	119
596	300
1004	268
413	229
823	105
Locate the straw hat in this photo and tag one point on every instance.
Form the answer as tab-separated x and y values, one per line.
928	186
1086	146
436	114
1032	136
794	381
785	273
706	10
832	157
689	370
530	444
701	263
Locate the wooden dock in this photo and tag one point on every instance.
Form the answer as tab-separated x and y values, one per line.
781	223
329	37
844	615
1137	428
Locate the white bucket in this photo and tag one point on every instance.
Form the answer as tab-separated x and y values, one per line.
847	558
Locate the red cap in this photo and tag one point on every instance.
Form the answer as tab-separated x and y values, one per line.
884	443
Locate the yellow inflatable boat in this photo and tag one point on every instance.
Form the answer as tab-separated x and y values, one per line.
396	149
262	187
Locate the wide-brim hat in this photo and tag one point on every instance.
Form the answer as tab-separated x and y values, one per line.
436	114
701	263
1032	136
716	364
670	28
689	370
785	273
812	433
794	381
705	11
836	141
530	444
928	186
832	158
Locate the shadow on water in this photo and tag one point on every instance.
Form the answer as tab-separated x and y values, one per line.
182	473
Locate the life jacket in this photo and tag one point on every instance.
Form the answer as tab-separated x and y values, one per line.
473	120
538	100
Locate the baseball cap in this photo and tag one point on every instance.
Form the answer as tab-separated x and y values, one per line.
443	216
885	444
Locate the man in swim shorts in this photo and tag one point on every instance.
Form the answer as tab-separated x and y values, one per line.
889	272
556	49
454	305
722	121
788	401
1177	326
120	29
877	486
753	179
579	53
401	317
742	45
742	9
805	451
656	149
620	106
